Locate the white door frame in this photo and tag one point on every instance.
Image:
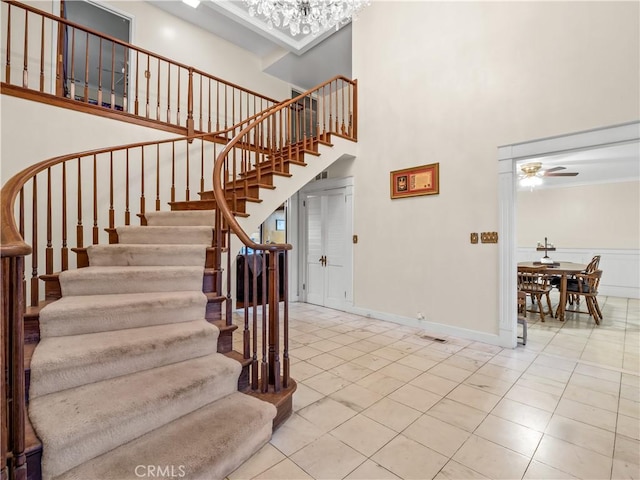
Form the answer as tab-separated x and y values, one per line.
311	187
508	155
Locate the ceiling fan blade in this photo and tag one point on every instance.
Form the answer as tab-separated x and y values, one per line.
563	174
554	169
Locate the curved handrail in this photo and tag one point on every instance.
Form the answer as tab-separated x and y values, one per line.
220	161
11	242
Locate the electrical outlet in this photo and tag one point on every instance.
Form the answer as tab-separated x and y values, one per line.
489	237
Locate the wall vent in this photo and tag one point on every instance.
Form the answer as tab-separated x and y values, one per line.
433	339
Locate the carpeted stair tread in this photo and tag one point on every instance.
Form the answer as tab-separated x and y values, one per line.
181	218
204	445
132	279
76	315
169	235
147	255
60	363
79	424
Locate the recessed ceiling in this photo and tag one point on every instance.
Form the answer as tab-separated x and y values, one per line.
304	60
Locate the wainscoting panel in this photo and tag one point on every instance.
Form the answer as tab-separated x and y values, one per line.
620	268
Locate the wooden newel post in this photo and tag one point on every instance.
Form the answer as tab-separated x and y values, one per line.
13	401
274	331
190	123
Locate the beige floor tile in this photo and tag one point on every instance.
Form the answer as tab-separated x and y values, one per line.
581	434
325	361
555	362
488	384
371	470
602	400
509	435
449	372
459	360
457	414
303	370
540	471
390	354
456	471
392	414
510	363
436	434
364	346
433	383
327	414
490	459
500	372
587	414
409	459
474	397
294	434
327	458
371	361
379	383
597	372
531	417
262	460
417	362
630	392
325	345
326	383
400	372
305	396
534	398
541	384
350	371
550	373
628	426
597	384
415	397
285	470
347	353
625	470
627	450
356	397
364	434
570	458
304	353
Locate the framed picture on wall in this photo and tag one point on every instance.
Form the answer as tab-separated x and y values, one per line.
280	224
414	181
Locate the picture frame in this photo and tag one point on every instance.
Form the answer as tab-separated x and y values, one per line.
280	224
415	181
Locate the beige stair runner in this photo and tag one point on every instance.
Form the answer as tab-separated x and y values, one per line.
126	373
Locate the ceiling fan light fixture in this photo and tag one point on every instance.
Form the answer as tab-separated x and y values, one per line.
531	181
192	3
306	16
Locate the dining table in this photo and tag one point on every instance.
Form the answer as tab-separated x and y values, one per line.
564	270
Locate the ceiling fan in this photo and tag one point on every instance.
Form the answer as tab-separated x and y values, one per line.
532	174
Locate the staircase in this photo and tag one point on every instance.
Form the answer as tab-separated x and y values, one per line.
134	364
127	373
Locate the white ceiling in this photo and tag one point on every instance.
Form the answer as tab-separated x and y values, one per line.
607	164
303	60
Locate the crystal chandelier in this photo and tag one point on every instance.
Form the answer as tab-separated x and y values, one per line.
306	16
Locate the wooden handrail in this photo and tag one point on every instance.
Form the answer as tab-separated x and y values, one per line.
180	97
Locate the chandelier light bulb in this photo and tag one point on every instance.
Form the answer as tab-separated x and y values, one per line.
306	16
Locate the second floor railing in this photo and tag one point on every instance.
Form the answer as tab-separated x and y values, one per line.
44	54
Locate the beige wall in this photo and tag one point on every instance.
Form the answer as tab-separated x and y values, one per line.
593	216
449	82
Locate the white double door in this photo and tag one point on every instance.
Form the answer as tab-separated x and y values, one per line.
327	213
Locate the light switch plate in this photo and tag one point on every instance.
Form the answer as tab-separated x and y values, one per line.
489	237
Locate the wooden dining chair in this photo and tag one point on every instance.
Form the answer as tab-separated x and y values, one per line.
586	285
534	282
522	315
592	266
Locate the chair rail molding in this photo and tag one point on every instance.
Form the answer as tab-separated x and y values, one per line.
508	155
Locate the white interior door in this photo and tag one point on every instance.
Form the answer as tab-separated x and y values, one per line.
328	247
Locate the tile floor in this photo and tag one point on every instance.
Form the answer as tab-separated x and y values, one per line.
375	400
